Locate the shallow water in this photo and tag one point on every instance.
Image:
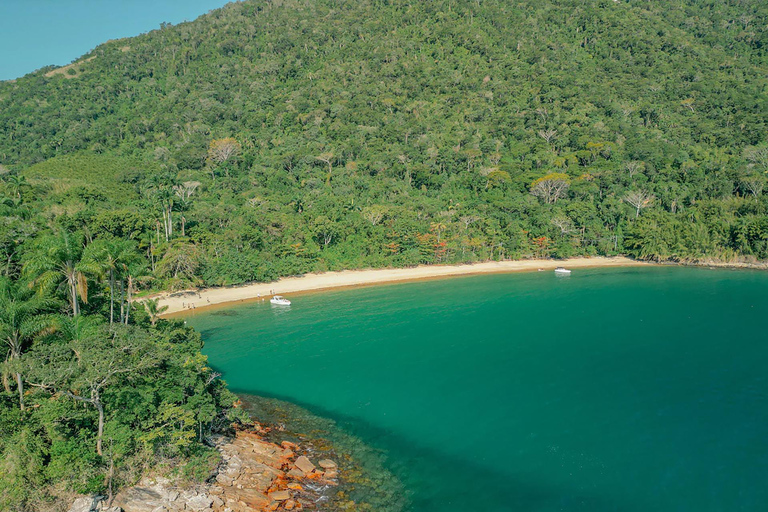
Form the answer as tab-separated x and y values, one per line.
612	389
367	483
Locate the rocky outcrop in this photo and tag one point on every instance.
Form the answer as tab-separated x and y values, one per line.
274	477
304	465
255	475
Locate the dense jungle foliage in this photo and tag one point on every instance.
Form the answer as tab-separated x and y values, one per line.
91	400
275	138
268	139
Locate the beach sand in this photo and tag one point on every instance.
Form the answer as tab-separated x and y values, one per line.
194	300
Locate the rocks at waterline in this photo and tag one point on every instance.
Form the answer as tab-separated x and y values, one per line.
296	473
255	475
327	464
304	465
280	495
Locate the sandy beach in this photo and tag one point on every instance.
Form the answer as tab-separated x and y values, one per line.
193	300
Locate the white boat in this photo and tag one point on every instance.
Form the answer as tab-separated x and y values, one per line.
279	300
562	271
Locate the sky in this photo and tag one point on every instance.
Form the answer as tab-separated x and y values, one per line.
37	33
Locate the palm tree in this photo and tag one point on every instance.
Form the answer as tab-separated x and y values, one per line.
135	274
154	310
16	185
147	244
437	227
78	328
112	256
57	264
22	318
163	193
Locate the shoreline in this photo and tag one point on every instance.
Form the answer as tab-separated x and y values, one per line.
188	301
258	471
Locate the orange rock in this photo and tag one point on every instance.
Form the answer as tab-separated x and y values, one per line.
248	436
296	473
289	505
295	486
250	497
280	495
289	445
304	464
241	507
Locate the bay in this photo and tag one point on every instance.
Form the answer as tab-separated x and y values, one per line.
612	389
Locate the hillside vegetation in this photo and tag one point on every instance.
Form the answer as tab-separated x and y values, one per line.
330	134
268	139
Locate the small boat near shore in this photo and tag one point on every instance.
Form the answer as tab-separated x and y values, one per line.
279	300
562	271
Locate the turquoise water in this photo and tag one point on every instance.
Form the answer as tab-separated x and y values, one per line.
613	389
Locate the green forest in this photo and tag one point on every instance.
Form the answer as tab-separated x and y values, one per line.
270	139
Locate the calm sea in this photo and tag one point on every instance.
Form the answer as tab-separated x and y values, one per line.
613	389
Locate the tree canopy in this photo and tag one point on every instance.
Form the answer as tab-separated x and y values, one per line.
295	120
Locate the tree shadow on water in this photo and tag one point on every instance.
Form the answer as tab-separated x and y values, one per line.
212	332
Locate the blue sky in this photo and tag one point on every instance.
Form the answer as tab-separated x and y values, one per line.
36	33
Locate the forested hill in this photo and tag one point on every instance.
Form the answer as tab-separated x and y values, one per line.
268	139
275	138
